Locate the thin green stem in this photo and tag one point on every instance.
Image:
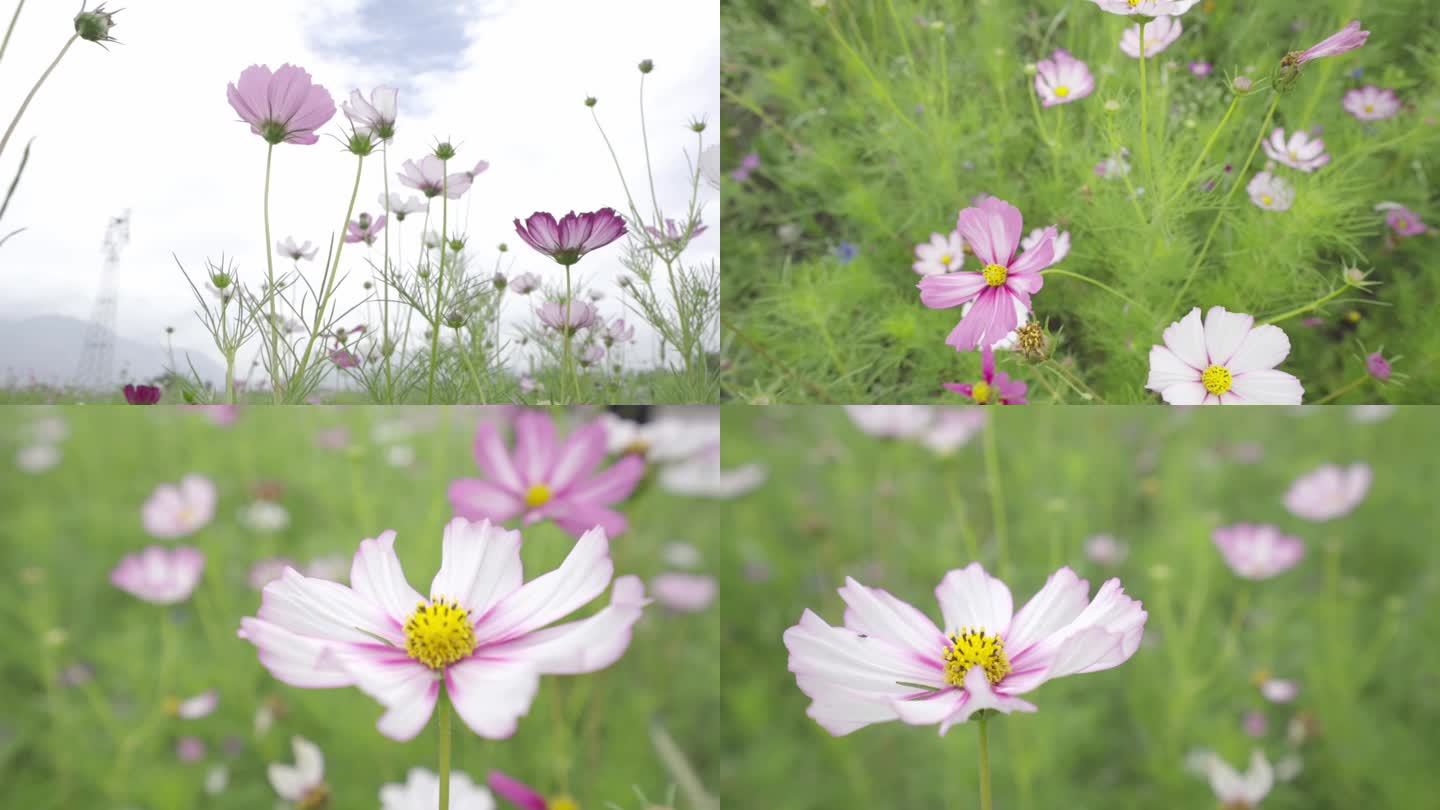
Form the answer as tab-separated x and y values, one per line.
273	326
645	139
444	712
8	31
1107	288
1069	378
1338	291
1342	390
385	277
439	279
566	333
1220	213
29	97
1209	144
470	366
1145	112
331	273
984	764
997	493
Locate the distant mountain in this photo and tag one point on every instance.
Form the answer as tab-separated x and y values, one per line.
46	349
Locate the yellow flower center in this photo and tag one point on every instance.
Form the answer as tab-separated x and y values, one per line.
172	706
1266	199
1401	224
314	799
972	648
980	392
1216	379
1369	108
1133	3
563	803
995	275
439	634
946	259
1062	91
537	496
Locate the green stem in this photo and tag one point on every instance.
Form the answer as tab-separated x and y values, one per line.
1107	288
439	278
8	31
1342	390
444	711
1220	214
1312	305
273	325
566	331
385	278
997	495
1209	144
1145	112
645	139
29	97
470	366
984	765
331	274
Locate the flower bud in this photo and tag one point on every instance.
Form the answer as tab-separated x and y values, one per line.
591	101
445	150
455	319
647	66
94	26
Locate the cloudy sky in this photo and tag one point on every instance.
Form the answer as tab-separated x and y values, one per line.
146	126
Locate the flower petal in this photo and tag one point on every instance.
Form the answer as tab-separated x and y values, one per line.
1264	348
491	695
377	576
479	565
873	612
971	598
1225	331
586	645
580	578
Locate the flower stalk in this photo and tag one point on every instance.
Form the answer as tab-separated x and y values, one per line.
29	97
984	762
444	769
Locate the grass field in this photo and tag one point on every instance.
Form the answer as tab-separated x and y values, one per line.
87	671
856	129
1351	624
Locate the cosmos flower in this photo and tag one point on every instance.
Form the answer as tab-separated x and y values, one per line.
684	593
1160	33
1226	361
160	575
1271	192
177	510
1231	788
1279	690
189	749
710	165
525	797
992	230
429	178
482	634
567	318
141	394
344	358
619	332
1346	39
748	165
888	661
568	240
1201	69
1146	8
703	477
952	429
480	168
1371	103
547	479
892	421
664	439
202	705
1258	552
675	234
421	791
1300	151
1401	220
302	784
997	389
1328	492
375	117
1105	550
1378	366
591	354
525	283
287	248
1062	79
282	107
1061	244
364	229
944	253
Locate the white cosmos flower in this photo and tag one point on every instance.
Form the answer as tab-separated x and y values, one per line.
944	253
1160	34
1299	151
710	165
421	791
303	782
1227	360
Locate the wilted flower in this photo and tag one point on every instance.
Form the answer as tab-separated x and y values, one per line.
281	107
375	117
429	178
994	388
944	253
1062	79
1329	492
1258	552
1371	103
1160	33
1300	151
1226	361
160	575
1346	39
177	510
1271	192
575	235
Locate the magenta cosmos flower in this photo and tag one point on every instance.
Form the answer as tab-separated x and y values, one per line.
1062	79
1371	103
992	230
1160	34
1329	492
478	634
525	797
1226	361
997	389
177	510
569	318
1378	366
1346	39
141	394
364	229
1146	8
1300	151
281	107
160	575
1401	220
568	240
890	662
429	178
1258	552
545	479
1271	192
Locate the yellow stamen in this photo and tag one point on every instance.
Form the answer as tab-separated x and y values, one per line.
1369	108
563	803
537	496
1216	379
946	259
1266	199
1401	224
995	275
1062	91
439	634
980	392
316	798
973	648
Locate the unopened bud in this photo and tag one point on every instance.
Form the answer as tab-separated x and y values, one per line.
647	66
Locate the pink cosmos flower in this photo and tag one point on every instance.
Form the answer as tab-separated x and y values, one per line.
1061	245
421	791
545	479
1201	69
1255	724
177	510
953	429
992	230
1271	192
944	253
202	705
994	388
1346	39
429	178
523	796
890	662
1160	33
1329	492
1371	103
401	207
189	749
1062	79
525	283
479	634
281	107
1146	8
674	233
141	394
375	117
1226	361
570	317
1258	552
1299	152
1278	690
1402	220
684	593
591	354
568	240
364	229
343	358
1105	550
160	575
290	250
619	332
1378	366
